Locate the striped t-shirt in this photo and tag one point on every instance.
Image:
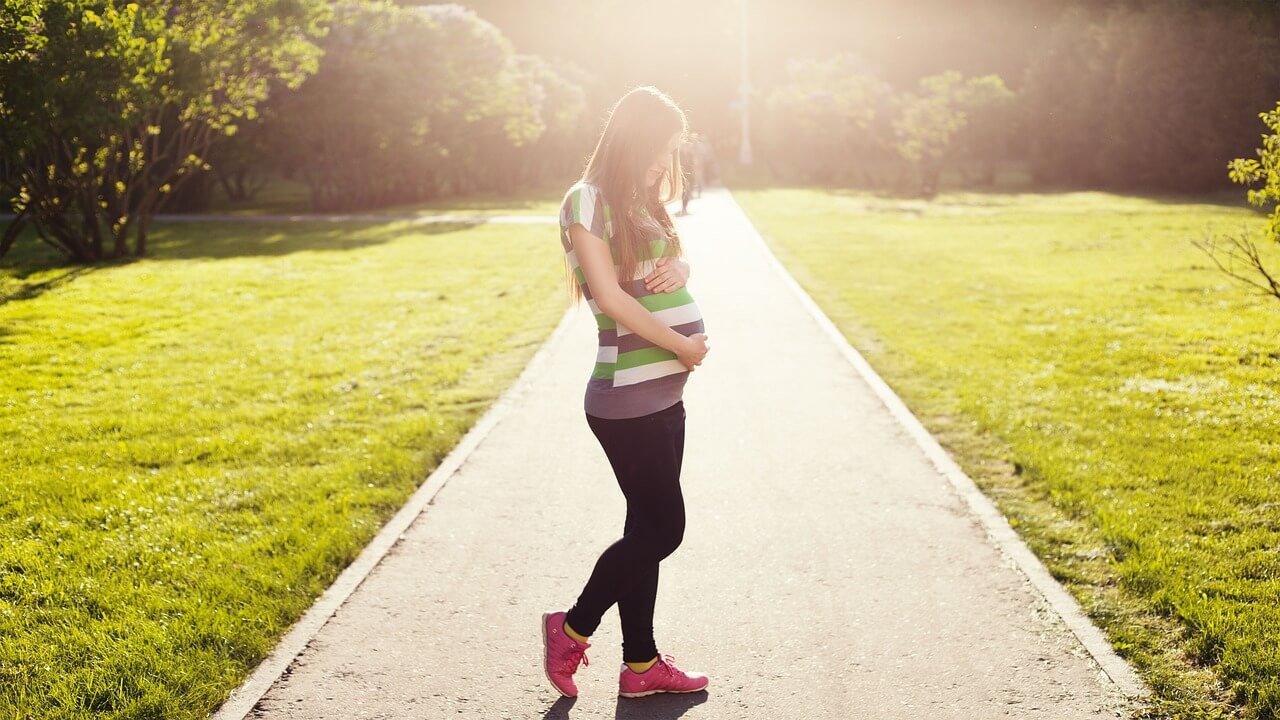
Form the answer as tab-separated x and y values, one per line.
632	376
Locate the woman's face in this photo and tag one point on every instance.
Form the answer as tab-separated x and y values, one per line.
662	163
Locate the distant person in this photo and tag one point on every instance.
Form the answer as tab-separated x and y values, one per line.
621	248
689	163
708	169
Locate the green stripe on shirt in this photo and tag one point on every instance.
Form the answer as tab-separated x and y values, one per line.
636	358
663	301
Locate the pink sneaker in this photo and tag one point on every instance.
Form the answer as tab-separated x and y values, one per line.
664	676
561	654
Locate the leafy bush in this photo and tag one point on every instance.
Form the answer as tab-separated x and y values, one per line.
1266	169
1233	251
106	107
835	120
829	121
413	103
951	120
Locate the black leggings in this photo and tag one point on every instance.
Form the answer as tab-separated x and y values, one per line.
645	453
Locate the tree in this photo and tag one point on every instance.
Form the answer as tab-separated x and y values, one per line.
932	120
1147	96
493	106
415	103
1247	171
107	105
828	119
1061	97
984	139
555	107
19	40
1176	94
1266	170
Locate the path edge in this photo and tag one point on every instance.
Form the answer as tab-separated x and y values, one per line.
996	525
244	699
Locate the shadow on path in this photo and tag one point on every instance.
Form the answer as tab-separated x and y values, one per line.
658	707
559	710
654	707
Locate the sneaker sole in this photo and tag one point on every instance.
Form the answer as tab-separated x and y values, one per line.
655	692
556	687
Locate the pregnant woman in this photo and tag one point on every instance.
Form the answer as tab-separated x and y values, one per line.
624	257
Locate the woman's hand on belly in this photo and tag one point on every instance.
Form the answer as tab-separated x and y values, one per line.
669	275
692	352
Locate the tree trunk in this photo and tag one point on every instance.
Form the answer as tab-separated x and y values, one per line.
54	228
91	225
140	243
11	233
121	245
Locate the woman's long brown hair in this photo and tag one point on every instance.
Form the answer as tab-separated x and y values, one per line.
637	132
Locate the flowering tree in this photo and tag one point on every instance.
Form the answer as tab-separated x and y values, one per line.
106	106
1240	248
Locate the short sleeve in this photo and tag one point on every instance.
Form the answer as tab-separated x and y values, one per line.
584	204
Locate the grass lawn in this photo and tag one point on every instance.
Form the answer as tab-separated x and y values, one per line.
290	197
1105	384
197	443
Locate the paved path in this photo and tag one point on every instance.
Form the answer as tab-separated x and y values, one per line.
829	569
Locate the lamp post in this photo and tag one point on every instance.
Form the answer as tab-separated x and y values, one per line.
744	93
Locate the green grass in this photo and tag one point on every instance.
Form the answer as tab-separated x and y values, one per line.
197	443
1112	391
290	197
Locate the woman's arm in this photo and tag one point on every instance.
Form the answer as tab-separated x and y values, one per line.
597	265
